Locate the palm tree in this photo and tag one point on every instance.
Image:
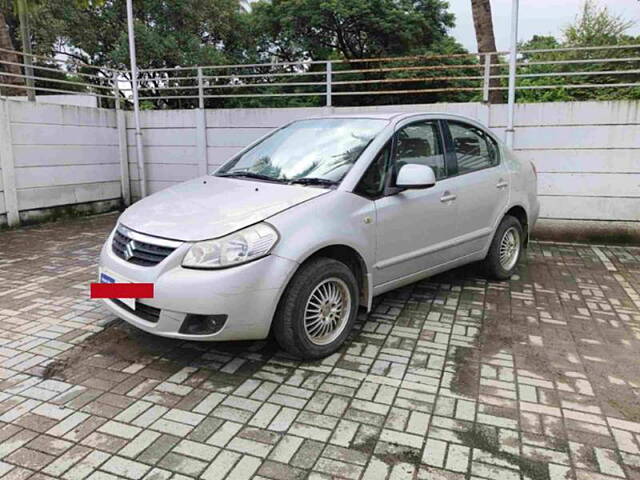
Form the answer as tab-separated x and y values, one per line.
483	23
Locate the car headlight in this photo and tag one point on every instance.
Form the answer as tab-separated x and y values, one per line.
239	247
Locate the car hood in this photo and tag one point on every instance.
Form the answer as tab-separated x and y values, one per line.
211	207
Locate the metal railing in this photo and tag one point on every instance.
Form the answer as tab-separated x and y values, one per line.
410	79
53	75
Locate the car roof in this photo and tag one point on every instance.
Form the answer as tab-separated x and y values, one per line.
381	115
396	116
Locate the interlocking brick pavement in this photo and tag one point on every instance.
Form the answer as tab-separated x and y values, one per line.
450	378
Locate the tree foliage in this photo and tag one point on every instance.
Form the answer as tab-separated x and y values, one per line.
169	33
172	33
183	33
49	73
594	26
351	29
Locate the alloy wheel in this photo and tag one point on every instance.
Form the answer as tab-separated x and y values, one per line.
509	248
327	311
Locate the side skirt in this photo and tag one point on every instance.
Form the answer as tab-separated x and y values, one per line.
414	277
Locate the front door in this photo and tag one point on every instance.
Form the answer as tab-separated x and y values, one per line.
415	228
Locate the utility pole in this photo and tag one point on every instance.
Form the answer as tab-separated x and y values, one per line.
136	107
513	58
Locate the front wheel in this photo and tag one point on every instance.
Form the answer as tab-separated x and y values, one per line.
505	250
317	310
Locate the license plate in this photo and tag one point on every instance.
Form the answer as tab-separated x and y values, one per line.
104	278
109	278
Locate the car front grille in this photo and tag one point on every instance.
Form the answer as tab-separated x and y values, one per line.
141	249
145	312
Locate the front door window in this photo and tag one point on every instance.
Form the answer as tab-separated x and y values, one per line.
419	143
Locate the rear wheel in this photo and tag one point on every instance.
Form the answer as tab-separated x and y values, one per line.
505	250
317	310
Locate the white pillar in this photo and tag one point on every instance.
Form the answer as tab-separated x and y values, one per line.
123	149
487	78
8	166
201	140
329	83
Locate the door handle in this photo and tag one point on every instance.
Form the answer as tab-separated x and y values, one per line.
447	197
502	184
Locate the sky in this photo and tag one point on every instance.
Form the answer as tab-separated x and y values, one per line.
541	17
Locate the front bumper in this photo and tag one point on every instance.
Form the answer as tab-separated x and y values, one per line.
248	294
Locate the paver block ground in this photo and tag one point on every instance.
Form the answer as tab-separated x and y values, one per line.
454	377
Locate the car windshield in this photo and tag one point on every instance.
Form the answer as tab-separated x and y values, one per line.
314	152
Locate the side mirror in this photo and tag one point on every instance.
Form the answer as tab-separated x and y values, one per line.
413	176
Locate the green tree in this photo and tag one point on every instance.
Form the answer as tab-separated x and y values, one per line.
183	33
293	29
354	31
21	9
594	26
18	16
169	34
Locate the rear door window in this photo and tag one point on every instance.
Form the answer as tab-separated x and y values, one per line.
474	149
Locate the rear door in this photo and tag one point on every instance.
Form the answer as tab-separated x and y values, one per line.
484	184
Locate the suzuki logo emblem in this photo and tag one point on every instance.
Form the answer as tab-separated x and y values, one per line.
129	249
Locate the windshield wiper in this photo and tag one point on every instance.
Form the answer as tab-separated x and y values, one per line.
256	176
313	181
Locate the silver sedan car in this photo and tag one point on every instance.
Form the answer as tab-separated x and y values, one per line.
300	229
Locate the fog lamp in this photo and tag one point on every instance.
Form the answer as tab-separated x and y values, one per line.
202	324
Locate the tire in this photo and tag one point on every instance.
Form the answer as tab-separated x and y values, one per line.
302	315
509	232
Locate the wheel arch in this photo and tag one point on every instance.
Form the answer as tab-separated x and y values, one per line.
520	213
352	259
347	255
